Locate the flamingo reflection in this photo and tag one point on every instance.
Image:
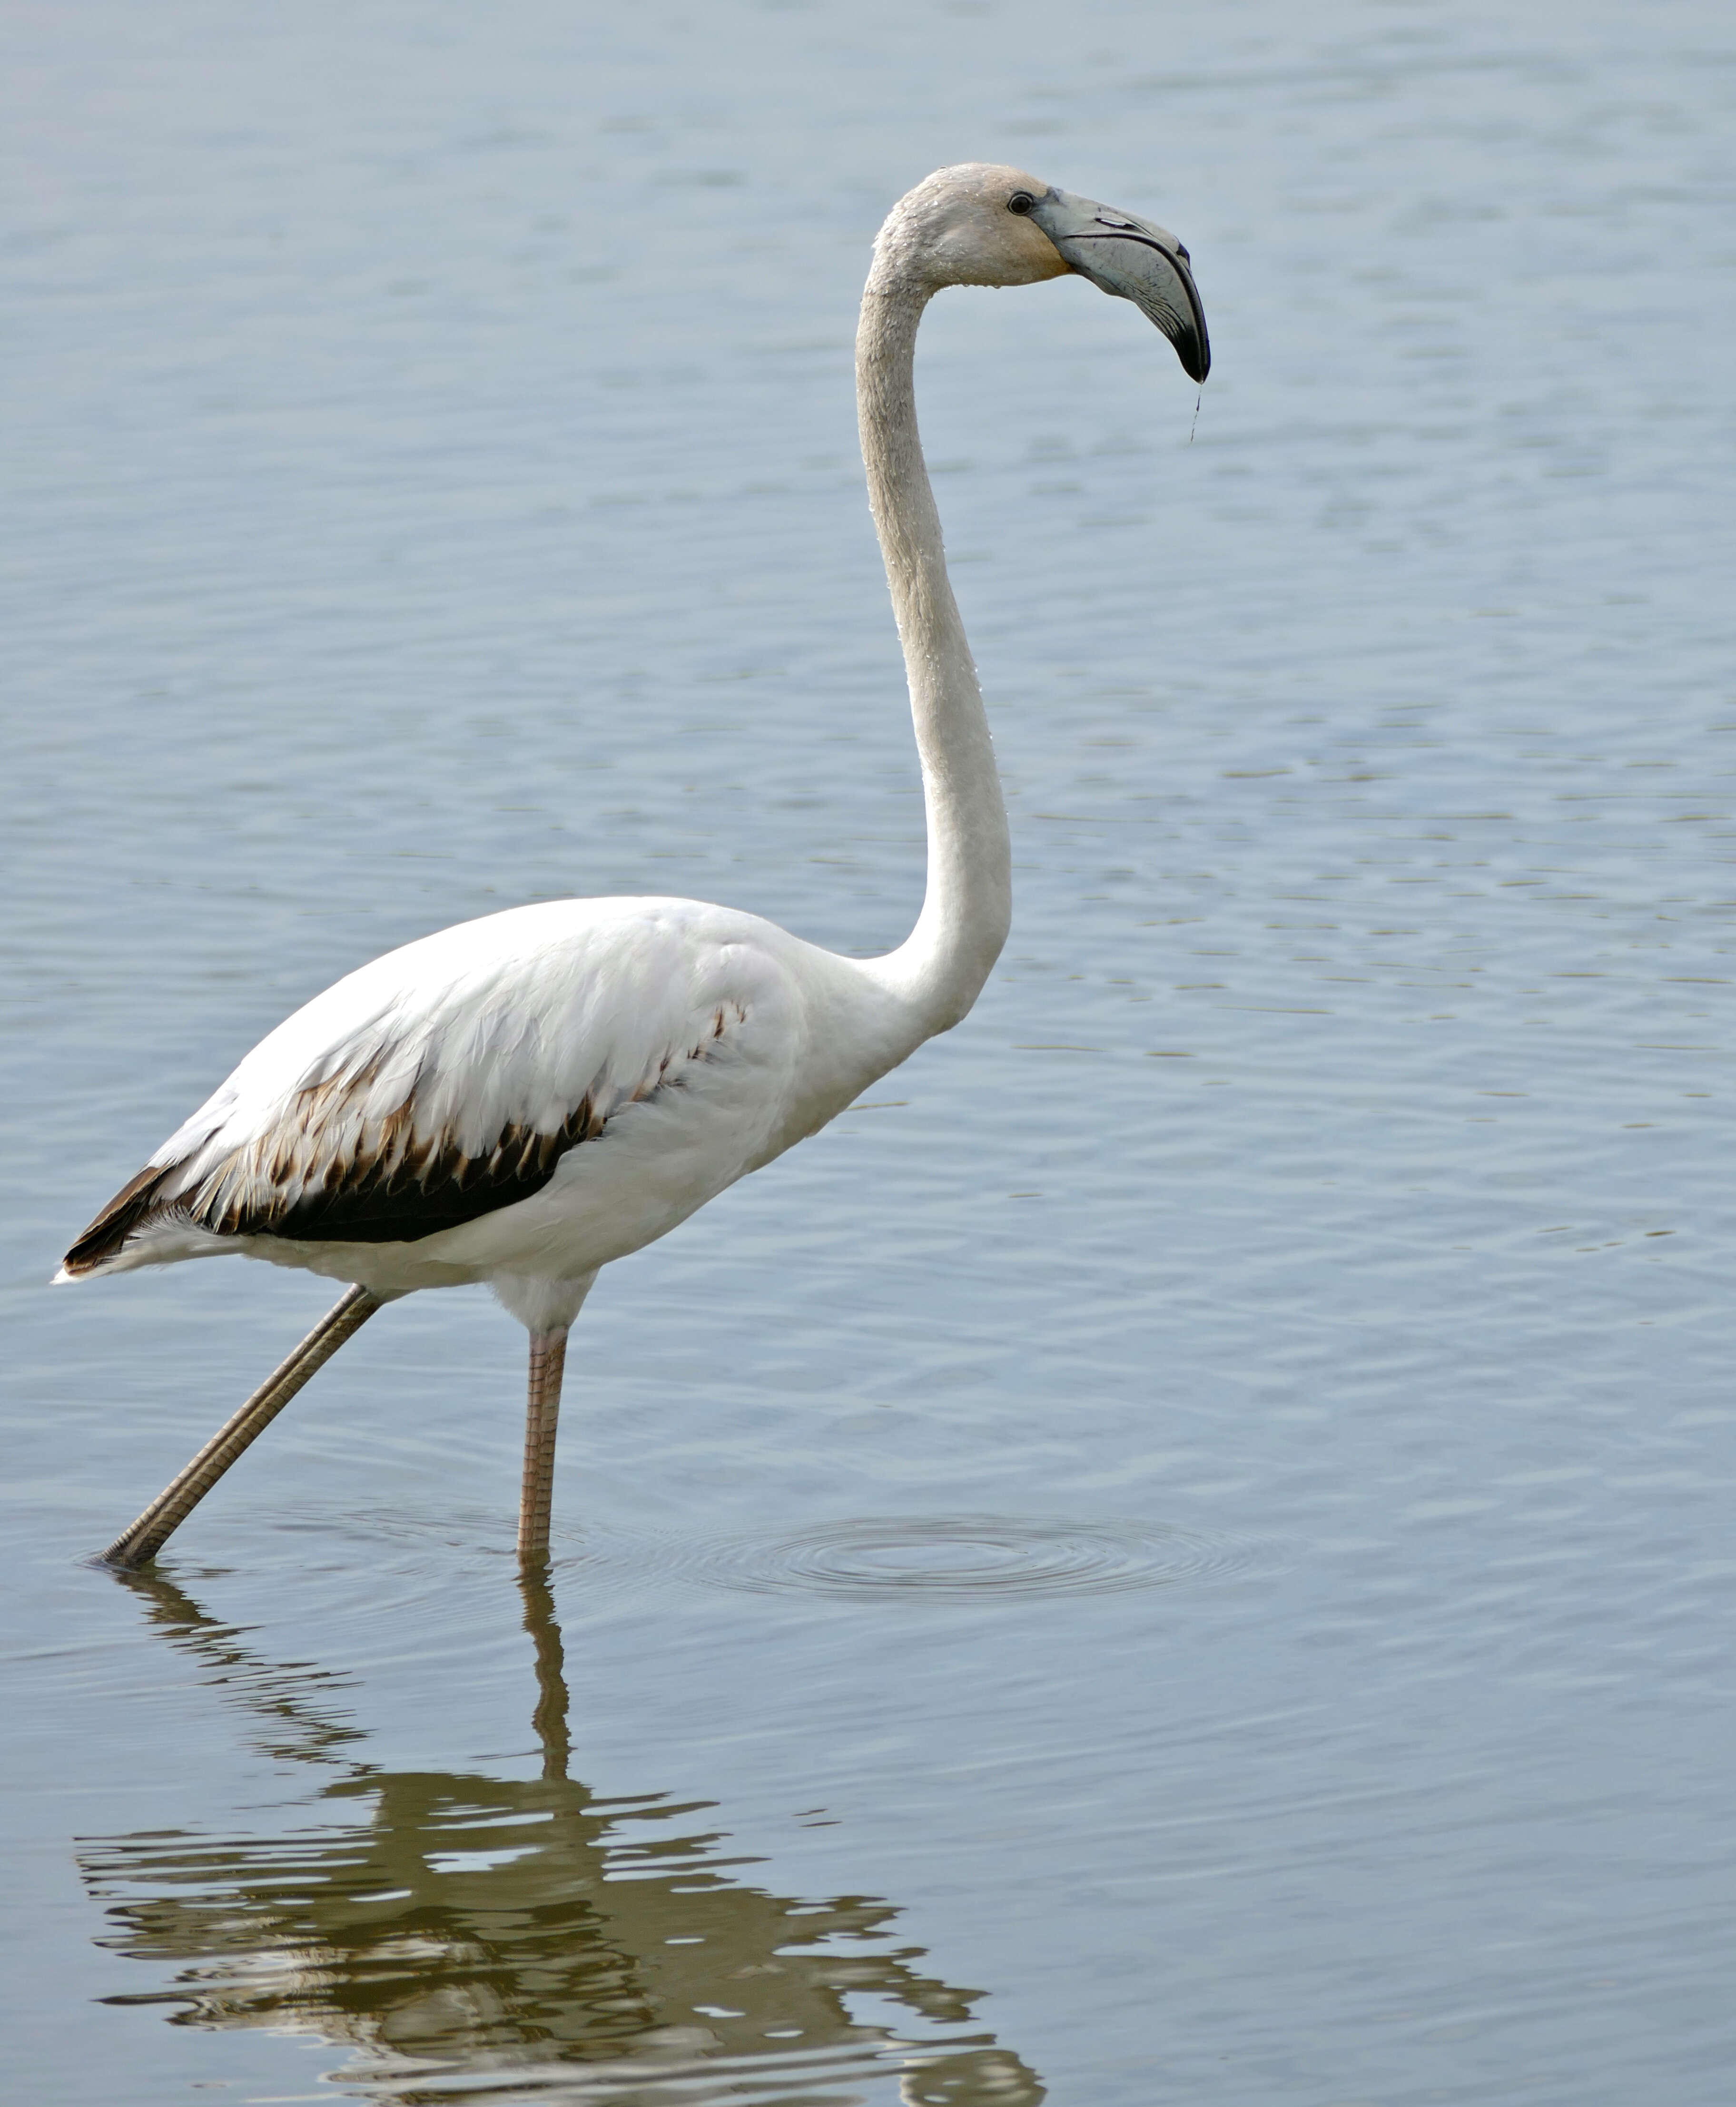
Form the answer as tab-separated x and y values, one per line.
524	1938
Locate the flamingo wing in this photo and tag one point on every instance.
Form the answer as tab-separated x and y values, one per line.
448	1079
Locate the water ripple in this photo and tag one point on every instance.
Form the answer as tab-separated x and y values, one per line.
950	1556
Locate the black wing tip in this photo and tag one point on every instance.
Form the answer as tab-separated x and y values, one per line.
106	1237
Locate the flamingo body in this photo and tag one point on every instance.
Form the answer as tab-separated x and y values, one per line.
520	1097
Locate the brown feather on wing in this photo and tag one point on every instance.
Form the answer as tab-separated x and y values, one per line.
325	1170
394	1189
399	1188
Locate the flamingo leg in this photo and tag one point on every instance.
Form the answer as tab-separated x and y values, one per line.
140	1543
548	1360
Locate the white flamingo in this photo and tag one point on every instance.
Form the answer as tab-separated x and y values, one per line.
520	1099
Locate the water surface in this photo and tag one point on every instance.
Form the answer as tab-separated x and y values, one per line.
1181	1550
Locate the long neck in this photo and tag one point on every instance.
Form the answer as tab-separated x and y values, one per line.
968	904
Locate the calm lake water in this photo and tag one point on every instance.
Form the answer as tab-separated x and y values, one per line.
1182	1552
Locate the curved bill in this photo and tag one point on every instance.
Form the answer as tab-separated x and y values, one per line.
1136	260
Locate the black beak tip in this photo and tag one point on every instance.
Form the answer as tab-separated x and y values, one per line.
1195	354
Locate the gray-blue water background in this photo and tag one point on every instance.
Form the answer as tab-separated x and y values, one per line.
432	486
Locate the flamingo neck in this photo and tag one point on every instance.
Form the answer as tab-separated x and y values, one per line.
967	906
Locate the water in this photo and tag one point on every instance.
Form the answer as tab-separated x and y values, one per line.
1181	1551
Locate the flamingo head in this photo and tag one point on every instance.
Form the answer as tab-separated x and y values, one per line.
981	224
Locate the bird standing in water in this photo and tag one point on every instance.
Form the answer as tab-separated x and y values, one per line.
522	1098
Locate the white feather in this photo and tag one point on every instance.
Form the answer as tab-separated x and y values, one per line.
705	1041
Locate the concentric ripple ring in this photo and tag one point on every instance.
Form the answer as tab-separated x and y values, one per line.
950	1556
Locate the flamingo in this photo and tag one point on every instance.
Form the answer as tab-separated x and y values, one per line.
523	1099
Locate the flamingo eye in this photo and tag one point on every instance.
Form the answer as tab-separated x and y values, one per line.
1021	202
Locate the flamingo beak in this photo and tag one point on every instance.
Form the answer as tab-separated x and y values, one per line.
1136	260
